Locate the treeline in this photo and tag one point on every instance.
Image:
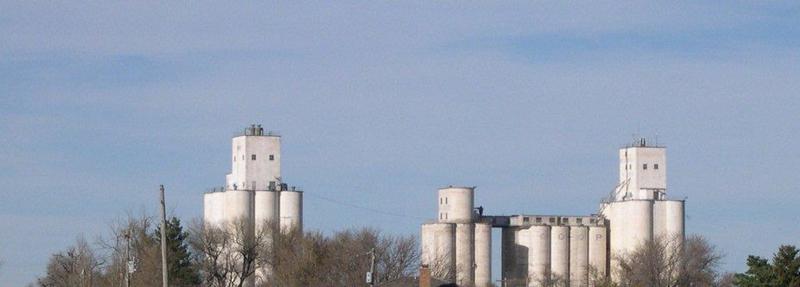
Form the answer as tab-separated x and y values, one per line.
225	256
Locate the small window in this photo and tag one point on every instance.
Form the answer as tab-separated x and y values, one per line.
253	157
644	166
272	157
655	166
565	220
538	220
234	158
580	220
552	220
526	219
445	200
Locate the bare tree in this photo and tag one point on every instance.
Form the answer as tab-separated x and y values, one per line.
130	238
549	280
663	262
299	259
227	255
75	267
442	267
312	259
598	278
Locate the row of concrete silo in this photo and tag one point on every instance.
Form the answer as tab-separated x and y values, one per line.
254	207
540	254
458	252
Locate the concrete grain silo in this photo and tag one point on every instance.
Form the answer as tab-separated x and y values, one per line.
291	209
439	250
598	250
267	207
465	253
483	254
578	256
559	252
539	254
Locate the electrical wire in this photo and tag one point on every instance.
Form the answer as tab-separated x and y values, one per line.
378	211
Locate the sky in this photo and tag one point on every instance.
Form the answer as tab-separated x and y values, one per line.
381	103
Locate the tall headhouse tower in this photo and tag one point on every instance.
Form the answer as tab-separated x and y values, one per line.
642	171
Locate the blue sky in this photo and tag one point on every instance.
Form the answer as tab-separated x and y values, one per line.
381	103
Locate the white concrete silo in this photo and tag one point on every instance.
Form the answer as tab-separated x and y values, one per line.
578	256
456	204
638	220
508	253
465	259
239	207
675	216
598	252
522	246
267	208
291	209
439	250
539	255
559	252
483	254
213	208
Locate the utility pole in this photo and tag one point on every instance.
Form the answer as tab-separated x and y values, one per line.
371	277
128	262
163	240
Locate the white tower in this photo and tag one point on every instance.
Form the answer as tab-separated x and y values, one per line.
256	160
642	171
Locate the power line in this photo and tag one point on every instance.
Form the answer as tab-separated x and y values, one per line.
378	211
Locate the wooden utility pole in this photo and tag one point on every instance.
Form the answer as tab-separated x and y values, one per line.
372	268
128	261
163	239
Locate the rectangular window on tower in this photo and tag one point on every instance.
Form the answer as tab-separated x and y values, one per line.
253	157
655	166
271	157
644	166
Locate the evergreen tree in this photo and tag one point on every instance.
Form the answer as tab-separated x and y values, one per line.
786	266
179	264
784	270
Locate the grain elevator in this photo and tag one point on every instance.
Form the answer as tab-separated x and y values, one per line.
555	250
